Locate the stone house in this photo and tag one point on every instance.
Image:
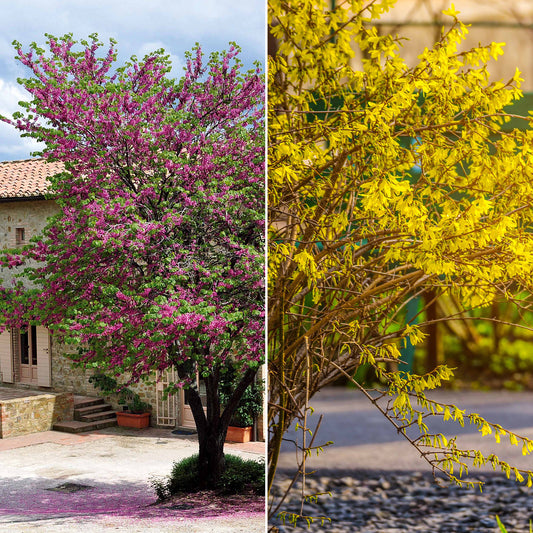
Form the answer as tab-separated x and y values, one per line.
23	214
33	358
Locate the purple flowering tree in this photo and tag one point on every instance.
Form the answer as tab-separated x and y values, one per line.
156	259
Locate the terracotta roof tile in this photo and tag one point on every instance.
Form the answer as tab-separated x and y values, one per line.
26	179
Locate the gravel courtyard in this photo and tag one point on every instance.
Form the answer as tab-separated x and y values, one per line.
56	482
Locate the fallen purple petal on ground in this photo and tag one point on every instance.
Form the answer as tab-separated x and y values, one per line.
126	500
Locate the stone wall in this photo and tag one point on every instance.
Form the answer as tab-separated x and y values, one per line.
67	377
32	414
146	391
30	215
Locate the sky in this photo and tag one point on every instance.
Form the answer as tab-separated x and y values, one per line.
139	27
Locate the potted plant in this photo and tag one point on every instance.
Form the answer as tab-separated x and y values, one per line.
135	413
250	406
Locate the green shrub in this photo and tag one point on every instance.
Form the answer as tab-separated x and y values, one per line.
160	487
184	476
239	476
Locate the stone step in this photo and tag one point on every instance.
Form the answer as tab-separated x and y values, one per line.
81	411
90	413
106	423
72	426
86	401
75	426
94	412
93	417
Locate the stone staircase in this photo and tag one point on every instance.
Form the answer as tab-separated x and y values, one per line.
89	414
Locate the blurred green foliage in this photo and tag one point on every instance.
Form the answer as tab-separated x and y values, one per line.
490	348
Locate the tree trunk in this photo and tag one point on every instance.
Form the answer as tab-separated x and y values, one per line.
211	461
212	426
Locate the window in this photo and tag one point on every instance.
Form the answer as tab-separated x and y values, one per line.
20	236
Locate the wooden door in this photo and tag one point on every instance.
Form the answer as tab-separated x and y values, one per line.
32	349
6	357
186	418
27	355
44	359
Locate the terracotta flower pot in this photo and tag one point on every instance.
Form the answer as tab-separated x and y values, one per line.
236	434
133	420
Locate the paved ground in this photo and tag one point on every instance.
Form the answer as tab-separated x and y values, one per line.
56	482
378	483
8	393
364	439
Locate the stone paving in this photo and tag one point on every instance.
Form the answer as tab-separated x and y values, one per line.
70	439
363	438
49	436
40	476
12	393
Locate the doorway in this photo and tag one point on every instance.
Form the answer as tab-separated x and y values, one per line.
173	409
27	355
186	418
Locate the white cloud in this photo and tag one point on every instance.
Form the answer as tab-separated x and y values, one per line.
177	62
10	95
13	147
